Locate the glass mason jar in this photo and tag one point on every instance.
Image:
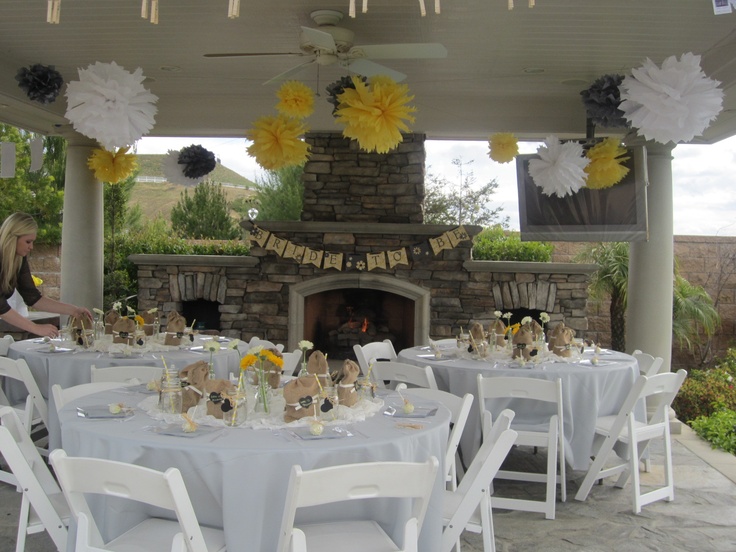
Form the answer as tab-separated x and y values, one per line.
170	396
238	412
366	388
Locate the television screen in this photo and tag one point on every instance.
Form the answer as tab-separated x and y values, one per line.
618	213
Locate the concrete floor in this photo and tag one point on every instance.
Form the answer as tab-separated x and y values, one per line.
702	517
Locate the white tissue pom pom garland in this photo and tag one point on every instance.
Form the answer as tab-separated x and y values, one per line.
673	103
174	171
561	169
110	105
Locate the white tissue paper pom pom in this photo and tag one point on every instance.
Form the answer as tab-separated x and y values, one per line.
110	105
673	103
174	171
561	169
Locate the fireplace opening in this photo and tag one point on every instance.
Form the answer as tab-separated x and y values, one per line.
336	320
204	314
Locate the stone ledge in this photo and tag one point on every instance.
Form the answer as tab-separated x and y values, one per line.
386	228
529	267
194	260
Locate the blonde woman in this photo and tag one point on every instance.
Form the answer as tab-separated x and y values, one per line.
17	234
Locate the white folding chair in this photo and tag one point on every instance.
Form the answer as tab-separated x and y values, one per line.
42	506
648	366
63	396
378	350
624	430
459	408
355	482
448	342
125	374
258	342
291	362
34	410
166	490
469	506
5	344
547	433
400	372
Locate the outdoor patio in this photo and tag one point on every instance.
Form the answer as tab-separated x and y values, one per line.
702	516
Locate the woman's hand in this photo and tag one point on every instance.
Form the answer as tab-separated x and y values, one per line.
46	330
81	312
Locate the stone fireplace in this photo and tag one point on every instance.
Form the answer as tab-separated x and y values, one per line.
356	204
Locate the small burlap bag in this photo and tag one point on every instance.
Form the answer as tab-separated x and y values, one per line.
346	393
301	396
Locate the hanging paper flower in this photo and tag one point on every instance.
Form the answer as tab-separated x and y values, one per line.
197	161
338	87
605	168
41	83
503	147
174	171
276	142
110	105
671	104
112	167
376	116
561	169
602	101
296	99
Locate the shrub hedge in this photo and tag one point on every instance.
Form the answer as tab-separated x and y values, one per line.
497	244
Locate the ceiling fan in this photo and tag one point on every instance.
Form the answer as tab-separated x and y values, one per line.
330	44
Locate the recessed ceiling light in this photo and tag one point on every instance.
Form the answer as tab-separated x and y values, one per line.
170	68
533	70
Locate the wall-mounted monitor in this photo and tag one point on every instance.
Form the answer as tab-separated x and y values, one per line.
618	213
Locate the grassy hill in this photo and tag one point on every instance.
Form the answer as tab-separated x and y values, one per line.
158	198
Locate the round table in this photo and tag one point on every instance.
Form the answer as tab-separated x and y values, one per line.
588	390
73	367
237	478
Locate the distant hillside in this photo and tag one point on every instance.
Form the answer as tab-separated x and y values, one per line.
158	198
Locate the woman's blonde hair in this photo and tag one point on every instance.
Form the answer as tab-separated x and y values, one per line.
15	226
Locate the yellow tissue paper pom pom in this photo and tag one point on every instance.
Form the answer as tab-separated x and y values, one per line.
36	280
296	99
605	168
276	142
112	167
375	116
503	147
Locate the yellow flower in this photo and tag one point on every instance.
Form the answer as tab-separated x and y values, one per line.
503	147
375	116
296	99
36	280
272	358
276	142
112	167
247	361
605	168
513	328
139	320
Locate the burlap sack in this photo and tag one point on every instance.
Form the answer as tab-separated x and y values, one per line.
195	375
522	342
175	326
561	340
498	328
346	392
82	331
220	394
148	320
317	364
476	332
123	331
537	330
301	396
110	318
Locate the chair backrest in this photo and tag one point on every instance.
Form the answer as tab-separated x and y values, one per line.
18	370
79	476
477	480
648	365
5	344
31	473
358	482
258	342
63	396
520	388
378	350
142	374
459	408
400	372
662	388
291	361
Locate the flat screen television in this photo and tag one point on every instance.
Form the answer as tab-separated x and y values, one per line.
618	213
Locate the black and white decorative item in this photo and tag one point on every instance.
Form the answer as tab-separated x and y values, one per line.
197	162
602	102
337	88
560	170
41	83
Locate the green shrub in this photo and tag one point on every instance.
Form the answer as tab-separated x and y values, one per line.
705	392
497	244
718	429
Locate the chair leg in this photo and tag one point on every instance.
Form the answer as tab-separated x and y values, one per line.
20	542
551	475
486	523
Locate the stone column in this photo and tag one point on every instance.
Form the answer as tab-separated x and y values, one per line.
649	312
82	234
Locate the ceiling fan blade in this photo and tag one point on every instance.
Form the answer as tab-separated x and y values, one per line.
289	72
253	54
429	50
367	68
319	40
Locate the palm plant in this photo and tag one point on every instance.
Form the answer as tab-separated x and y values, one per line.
693	311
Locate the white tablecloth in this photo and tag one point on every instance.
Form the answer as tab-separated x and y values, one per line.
238	477
73	368
588	391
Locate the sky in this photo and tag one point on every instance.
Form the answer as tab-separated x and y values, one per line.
704	176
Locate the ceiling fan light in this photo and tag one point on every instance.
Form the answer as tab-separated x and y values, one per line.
53	12
233	10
